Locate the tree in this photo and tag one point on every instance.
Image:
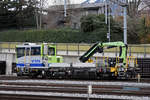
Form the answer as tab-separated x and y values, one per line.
17	14
132	20
132	8
91	22
145	29
133	30
7	15
96	30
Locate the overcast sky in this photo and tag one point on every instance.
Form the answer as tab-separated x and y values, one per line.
72	1
50	2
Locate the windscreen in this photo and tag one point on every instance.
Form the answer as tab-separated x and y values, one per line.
20	52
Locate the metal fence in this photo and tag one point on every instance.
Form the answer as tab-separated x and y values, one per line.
144	65
143	49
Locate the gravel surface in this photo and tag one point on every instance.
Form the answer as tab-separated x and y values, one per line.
75	95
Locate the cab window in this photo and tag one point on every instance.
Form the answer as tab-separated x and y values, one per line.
27	51
20	52
35	50
51	51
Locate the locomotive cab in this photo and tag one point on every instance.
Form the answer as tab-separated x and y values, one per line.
35	58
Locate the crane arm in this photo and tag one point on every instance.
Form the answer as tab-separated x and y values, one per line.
95	48
99	47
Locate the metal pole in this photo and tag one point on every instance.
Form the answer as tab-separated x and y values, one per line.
65	8
109	22
139	78
78	49
125	23
106	11
89	91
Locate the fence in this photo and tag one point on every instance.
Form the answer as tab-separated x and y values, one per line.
140	49
144	65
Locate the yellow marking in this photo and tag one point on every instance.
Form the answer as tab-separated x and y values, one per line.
107	62
112	69
90	61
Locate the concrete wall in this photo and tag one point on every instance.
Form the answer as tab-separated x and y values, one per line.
9	58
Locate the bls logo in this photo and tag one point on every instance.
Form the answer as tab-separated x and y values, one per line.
35	61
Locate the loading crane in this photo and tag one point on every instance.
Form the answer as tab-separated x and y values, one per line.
120	69
99	47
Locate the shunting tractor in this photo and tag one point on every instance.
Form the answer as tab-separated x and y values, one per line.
33	60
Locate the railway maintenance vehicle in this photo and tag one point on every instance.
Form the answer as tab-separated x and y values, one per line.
118	67
35	60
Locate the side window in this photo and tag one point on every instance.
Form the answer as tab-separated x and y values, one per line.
35	50
51	51
27	51
20	52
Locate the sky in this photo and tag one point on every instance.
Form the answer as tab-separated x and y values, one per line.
72	1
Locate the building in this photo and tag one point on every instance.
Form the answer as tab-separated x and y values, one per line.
56	19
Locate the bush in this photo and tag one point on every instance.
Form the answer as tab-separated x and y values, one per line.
56	36
93	29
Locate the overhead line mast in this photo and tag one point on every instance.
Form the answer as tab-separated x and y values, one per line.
65	8
107	18
124	5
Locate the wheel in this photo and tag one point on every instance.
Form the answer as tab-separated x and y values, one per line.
32	75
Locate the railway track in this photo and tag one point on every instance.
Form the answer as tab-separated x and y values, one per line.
23	97
72	90
145	80
66	88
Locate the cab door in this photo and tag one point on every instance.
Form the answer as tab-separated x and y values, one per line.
20	56
36	58
27	56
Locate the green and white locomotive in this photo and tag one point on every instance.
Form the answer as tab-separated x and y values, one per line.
33	60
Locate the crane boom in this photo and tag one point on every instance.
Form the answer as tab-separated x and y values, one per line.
99	47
